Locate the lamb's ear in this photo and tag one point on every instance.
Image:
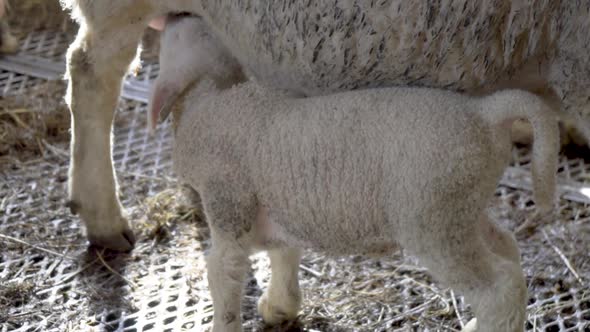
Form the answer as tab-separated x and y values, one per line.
163	96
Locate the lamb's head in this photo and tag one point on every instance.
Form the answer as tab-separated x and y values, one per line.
189	52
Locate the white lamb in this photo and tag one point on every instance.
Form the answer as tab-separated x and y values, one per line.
366	171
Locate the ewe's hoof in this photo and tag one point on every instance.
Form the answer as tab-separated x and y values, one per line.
114	233
471	326
274	314
123	241
73	206
105	225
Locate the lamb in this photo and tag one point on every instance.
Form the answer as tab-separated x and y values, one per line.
319	47
350	173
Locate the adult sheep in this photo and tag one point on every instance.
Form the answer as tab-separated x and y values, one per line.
318	47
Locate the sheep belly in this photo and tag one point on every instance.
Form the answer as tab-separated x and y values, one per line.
272	233
348	182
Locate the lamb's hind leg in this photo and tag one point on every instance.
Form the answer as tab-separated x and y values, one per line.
96	63
502	243
499	240
456	253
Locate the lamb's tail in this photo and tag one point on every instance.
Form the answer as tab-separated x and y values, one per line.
503	108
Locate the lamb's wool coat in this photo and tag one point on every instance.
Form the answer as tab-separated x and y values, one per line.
366	172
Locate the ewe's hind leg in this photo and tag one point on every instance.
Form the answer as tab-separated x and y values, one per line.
456	254
96	63
282	300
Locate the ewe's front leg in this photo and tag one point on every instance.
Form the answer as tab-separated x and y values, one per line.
96	63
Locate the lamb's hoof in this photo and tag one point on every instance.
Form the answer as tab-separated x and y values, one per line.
123	241
471	326
274	314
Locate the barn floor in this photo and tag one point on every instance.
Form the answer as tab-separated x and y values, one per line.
51	281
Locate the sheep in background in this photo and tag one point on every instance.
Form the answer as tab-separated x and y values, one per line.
364	171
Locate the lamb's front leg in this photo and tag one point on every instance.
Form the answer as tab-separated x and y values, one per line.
282	300
97	61
227	265
231	211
